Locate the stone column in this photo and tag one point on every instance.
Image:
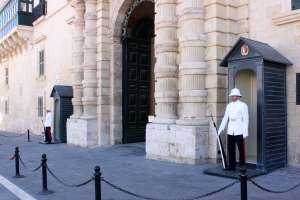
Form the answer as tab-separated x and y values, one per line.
166	69
90	61
192	68
77	60
103	71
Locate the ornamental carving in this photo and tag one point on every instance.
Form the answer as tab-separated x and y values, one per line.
129	12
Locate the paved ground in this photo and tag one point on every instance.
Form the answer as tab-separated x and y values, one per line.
125	166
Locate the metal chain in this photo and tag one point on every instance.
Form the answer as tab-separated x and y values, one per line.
214	192
13	136
86	182
125	191
142	197
26	167
272	191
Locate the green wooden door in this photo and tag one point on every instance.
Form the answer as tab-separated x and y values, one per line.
136	82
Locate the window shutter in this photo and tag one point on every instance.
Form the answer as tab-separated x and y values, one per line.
5	106
41	62
6	76
40	106
295	4
298	89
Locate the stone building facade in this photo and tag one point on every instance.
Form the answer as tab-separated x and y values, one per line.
86	44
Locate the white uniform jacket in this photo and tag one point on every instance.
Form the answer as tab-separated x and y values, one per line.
237	114
48	122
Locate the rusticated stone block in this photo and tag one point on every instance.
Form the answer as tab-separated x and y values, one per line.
215	53
216	38
242	12
215	24
215	10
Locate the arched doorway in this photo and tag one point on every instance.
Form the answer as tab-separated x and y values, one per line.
246	82
136	81
138	73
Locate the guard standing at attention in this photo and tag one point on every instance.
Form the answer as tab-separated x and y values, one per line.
48	124
237	114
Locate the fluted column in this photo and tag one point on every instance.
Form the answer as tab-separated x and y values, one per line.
90	61
77	59
166	69
103	68
192	68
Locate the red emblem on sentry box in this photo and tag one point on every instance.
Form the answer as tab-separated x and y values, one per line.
245	50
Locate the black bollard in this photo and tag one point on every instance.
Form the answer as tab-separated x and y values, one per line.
28	136
97	175
243	176
17	164
44	176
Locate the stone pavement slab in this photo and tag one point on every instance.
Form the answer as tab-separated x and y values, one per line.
125	165
6	194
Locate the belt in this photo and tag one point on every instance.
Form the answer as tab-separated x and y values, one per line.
232	119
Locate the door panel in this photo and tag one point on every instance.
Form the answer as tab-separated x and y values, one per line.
136	83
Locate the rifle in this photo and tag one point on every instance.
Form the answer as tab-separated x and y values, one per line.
44	129
221	151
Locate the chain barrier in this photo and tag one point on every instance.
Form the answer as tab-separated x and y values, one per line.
84	183
27	168
13	157
13	136
142	197
214	192
273	191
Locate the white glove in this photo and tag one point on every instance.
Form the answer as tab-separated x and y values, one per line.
245	135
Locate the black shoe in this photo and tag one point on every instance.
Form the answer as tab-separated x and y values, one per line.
229	169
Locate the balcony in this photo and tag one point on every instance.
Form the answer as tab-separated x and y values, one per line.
15	25
39	10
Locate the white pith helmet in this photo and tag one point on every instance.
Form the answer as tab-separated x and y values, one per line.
235	92
48	108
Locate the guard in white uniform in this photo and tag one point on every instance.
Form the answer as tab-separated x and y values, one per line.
48	124
237	114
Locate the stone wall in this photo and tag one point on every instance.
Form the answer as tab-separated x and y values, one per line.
25	85
192	36
281	28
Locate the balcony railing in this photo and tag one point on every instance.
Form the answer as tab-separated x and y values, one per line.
13	13
39	10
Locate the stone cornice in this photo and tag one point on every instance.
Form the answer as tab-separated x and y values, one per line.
39	39
40	78
288	17
74	2
159	2
15	39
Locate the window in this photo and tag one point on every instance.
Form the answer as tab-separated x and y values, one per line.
41	63
21	91
298	89
6	107
6	76
295	4
40	106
